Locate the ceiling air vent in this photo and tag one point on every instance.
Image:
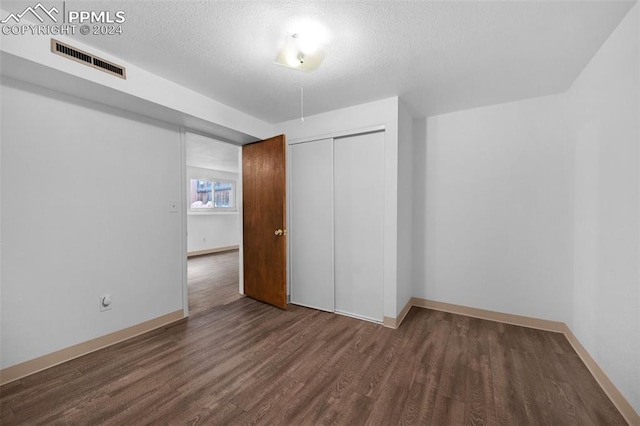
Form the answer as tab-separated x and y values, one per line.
77	55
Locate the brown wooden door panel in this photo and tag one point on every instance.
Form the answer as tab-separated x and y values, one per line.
264	212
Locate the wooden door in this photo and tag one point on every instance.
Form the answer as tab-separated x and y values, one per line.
264	216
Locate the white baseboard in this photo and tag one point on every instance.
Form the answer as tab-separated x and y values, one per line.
32	366
621	403
540	324
395	322
211	251
26	368
627	411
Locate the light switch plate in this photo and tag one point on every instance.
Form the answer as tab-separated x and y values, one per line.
173	206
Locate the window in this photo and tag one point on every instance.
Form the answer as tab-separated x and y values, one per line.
212	194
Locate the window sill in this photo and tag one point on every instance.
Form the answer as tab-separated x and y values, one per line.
211	212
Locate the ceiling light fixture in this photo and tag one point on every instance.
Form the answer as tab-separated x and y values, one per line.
302	54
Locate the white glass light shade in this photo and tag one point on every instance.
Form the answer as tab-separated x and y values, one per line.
300	54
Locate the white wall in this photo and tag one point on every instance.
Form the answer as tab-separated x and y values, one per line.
211	230
2	96
419	206
85	195
385	113
604	105
405	207
29	58
497	209
533	207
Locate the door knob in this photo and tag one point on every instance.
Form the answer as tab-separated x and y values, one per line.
279	232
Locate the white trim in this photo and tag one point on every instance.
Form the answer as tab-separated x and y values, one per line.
212	212
391	322
519	320
240	207
35	365
360	317
183	220
340	134
620	402
287	190
311	307
212	251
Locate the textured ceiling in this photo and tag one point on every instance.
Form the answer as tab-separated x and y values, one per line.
437	56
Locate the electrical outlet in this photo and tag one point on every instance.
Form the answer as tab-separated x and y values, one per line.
105	303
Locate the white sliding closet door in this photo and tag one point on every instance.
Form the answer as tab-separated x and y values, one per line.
358	198
311	224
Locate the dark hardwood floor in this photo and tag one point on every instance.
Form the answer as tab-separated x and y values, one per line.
213	281
238	361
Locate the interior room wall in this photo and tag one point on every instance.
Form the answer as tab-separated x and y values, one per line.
211	230
86	210
30	59
405	207
498	209
530	207
604	106
533	208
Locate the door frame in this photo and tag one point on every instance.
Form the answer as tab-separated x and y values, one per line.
183	222
183	212
239	200
333	135
240	204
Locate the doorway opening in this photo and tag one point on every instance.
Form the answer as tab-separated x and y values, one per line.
213	223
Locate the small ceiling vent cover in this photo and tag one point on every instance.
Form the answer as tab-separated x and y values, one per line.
93	61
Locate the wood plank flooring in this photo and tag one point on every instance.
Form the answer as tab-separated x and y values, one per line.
213	280
238	361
